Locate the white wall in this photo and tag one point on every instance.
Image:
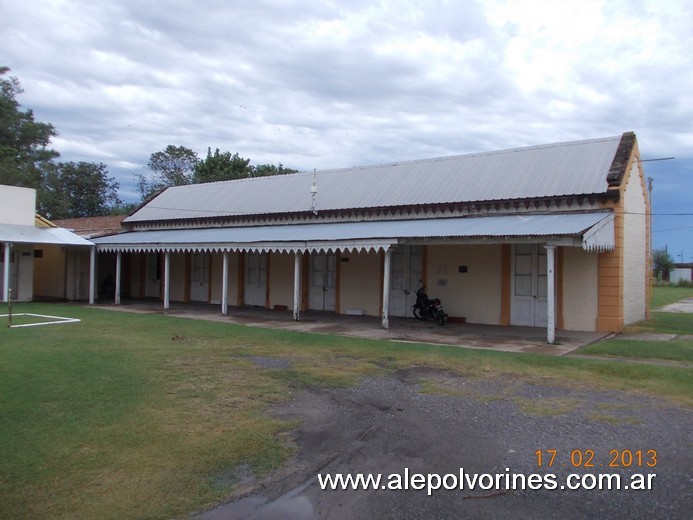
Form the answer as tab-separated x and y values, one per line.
17	205
476	294
635	249
580	289
281	279
360	283
679	274
217	276
21	272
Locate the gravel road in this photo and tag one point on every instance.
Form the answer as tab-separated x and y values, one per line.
388	425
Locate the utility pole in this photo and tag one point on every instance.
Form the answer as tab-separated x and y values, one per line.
650	251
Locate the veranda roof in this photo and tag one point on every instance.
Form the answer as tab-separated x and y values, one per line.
593	231
18	234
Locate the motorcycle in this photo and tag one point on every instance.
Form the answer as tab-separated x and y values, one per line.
425	309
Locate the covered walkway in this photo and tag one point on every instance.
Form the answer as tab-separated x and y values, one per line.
492	337
591	231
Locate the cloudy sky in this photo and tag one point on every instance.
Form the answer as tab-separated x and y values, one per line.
329	84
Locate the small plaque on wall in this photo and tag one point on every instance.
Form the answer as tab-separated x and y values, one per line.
462	269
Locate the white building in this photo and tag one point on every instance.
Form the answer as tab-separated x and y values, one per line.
552	236
33	251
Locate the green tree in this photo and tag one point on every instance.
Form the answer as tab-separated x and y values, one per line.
123	208
221	167
24	152
177	166
174	166
80	189
263	170
662	263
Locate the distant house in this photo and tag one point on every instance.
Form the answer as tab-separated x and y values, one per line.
91	227
546	236
34	251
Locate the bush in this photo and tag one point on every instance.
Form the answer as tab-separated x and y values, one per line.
681	283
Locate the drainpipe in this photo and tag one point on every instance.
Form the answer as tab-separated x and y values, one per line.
550	293
386	289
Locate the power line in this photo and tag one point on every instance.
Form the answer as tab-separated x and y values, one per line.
659	214
671	229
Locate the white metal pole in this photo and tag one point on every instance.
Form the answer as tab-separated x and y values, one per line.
225	284
550	294
6	274
92	275
386	289
167	280
297	286
117	280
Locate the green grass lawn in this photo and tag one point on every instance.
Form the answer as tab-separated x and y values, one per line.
674	350
660	322
664	295
147	416
666	322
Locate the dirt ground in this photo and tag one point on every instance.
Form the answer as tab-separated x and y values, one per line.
429	421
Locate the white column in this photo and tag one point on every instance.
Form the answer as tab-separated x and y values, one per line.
167	280
6	274
386	289
550	293
119	261
92	274
225	284
297	285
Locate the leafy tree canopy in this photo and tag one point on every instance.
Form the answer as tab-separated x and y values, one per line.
178	165
24	152
263	170
174	166
80	189
221	167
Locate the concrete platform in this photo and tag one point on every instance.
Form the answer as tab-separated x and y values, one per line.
492	337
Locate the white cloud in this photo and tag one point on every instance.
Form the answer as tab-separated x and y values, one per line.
326	84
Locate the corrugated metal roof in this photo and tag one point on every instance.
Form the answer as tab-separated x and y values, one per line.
17	234
573	168
339	235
